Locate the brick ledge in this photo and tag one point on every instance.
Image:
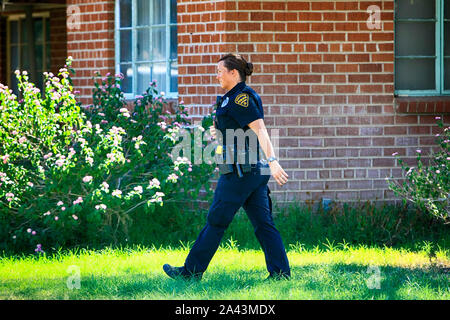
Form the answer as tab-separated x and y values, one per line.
433	105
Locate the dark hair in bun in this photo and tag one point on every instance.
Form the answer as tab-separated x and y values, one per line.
233	61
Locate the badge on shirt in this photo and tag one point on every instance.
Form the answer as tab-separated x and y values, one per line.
242	100
225	102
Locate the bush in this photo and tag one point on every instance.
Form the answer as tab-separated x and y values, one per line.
428	187
78	177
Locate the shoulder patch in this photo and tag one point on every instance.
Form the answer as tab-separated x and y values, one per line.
242	99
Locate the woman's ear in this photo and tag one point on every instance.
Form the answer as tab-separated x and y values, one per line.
236	74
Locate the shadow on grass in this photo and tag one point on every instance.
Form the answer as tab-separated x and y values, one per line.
314	281
353	281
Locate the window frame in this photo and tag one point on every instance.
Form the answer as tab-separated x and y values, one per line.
439	54
45	15
134	62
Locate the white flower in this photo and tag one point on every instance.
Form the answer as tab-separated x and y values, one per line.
116	193
79	200
162	124
87	179
90	160
154	183
138	189
158	196
172	177
48	156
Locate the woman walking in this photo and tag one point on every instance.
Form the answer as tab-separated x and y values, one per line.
240	184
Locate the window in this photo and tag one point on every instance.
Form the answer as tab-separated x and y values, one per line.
146	45
18	48
422	47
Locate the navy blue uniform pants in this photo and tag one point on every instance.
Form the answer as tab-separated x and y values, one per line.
252	193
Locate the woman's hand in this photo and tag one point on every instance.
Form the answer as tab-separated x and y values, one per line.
280	176
212	129
258	126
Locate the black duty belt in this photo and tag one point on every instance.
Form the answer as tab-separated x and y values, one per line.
226	168
240	169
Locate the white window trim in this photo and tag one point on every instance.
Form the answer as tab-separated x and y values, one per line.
131	96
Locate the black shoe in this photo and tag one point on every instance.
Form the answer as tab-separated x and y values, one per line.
278	276
181	272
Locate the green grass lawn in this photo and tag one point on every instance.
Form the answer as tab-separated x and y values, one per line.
346	273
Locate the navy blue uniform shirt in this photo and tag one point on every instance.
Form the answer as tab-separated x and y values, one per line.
236	109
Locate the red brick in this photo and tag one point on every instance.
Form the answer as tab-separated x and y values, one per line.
358	57
310	16
283	37
334	37
249	26
270	26
292	6
286	16
322	5
321	26
261	16
274	6
249	5
298	26
261	37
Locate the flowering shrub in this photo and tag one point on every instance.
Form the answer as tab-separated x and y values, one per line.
70	176
429	186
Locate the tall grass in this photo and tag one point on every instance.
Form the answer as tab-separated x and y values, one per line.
390	225
367	224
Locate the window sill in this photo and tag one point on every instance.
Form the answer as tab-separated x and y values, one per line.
420	105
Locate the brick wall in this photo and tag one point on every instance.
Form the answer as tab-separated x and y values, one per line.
58	39
90	42
326	82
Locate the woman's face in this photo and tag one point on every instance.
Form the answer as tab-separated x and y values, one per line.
227	79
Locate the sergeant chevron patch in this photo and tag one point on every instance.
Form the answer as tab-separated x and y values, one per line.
242	100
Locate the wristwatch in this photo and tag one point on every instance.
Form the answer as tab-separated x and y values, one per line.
269	160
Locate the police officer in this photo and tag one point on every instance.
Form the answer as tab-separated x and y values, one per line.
239	185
